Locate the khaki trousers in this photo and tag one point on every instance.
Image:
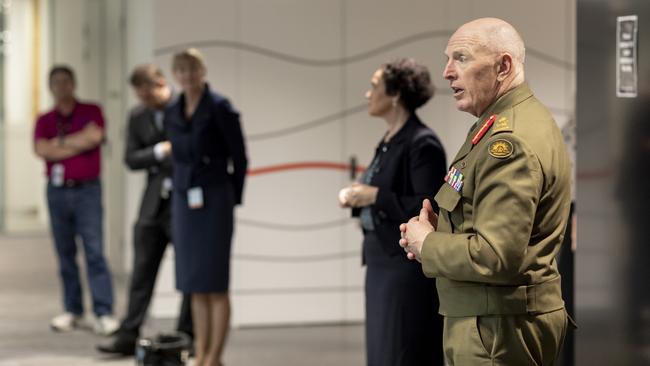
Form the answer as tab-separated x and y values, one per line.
513	340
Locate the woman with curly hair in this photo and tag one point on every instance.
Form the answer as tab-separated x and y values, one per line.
402	322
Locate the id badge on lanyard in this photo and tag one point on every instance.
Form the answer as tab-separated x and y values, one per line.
195	198
57	174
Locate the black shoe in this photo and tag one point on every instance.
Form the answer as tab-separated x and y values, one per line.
119	345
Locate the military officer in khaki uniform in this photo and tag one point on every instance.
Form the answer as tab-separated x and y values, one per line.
503	211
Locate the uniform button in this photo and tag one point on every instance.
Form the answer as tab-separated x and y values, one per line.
384	149
463	164
382	214
206	160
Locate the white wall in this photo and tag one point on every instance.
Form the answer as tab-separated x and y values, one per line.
22	171
284	63
139	49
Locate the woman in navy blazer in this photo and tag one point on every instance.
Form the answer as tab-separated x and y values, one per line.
206	139
403	327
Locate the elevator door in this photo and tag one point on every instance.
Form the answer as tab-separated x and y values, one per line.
613	191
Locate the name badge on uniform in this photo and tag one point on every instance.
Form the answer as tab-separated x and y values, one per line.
57	175
455	179
195	198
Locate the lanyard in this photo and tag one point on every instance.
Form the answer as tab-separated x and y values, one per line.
63	124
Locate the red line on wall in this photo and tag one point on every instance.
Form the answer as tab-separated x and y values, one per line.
301	166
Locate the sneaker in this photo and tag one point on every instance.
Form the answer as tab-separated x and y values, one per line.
106	325
65	322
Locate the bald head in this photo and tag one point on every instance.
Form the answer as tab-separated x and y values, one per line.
497	36
486	60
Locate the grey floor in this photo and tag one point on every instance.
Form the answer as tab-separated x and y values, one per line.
29	296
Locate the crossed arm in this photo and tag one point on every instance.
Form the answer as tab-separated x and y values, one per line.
57	149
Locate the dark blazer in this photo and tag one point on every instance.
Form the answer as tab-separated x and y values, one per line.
142	135
412	168
209	149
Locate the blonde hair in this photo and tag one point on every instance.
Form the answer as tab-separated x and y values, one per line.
191	57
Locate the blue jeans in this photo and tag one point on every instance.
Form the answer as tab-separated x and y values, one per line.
78	212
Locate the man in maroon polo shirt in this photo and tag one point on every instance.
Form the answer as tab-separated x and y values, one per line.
68	138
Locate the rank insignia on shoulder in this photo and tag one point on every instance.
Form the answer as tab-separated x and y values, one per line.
455	179
500	148
501	125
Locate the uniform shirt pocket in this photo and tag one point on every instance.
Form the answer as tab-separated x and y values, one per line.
448	199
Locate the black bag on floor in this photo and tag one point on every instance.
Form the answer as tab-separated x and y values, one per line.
169	349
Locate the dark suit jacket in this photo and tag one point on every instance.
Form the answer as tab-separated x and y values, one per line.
413	168
209	149
142	135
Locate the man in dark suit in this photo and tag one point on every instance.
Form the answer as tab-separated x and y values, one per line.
147	148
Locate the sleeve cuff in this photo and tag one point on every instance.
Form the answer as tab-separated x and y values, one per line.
379	208
429	255
380	199
159	152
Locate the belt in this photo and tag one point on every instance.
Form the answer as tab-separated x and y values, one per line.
459	299
73	183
